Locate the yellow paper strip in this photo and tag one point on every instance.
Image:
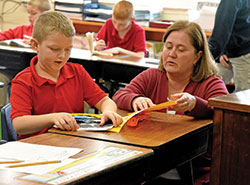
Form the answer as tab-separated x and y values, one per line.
161	106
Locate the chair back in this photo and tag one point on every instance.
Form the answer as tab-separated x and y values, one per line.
8	132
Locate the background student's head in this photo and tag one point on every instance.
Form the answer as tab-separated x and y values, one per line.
35	8
123	15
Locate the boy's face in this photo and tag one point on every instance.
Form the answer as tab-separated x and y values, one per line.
121	25
33	13
53	52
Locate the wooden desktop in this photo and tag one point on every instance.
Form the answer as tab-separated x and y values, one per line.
231	136
175	139
128	171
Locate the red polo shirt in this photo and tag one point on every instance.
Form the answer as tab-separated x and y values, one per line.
17	33
35	95
134	39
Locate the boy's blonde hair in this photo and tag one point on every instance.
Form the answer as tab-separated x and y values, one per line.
52	22
42	5
205	66
123	10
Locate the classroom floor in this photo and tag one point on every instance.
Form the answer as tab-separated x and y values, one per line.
201	172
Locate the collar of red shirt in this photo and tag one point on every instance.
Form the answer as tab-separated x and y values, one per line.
66	73
127	36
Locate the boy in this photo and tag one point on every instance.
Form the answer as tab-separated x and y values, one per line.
121	34
44	93
34	9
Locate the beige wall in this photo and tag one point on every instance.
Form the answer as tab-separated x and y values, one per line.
18	17
11	20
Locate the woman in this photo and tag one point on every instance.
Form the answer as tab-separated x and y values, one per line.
186	74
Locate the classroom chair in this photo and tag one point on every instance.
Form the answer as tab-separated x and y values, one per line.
2	142
8	132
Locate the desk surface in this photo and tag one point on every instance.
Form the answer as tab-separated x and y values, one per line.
98	67
231	134
159	129
175	139
86	55
239	101
89	146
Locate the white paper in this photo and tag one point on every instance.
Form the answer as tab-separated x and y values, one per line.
17	150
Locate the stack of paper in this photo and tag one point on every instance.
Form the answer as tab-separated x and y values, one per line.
72	9
174	14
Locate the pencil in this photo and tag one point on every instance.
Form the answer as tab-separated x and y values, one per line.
31	164
6	162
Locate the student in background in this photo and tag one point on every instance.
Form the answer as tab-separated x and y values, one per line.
121	34
44	94
186	74
230	42
34	9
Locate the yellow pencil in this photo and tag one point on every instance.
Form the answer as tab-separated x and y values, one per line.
31	164
6	162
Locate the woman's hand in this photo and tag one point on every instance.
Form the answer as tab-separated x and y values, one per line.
64	121
185	102
111	115
141	103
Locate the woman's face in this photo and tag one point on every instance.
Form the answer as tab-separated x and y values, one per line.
179	55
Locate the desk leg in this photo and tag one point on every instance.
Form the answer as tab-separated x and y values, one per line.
186	173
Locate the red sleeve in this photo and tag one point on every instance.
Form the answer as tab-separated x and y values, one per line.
7	35
102	35
20	98
211	87
137	87
140	42
16	33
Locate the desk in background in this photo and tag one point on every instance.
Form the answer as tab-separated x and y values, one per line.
130	171
175	139
152	34
14	59
117	68
231	136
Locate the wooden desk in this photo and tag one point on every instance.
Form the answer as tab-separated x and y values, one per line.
175	139
231	136
130	171
152	34
15	59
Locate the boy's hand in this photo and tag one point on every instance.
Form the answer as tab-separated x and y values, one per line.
141	103
113	116
65	121
100	45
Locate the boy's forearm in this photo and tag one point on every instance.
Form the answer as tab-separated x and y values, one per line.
106	104
131	53
31	123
